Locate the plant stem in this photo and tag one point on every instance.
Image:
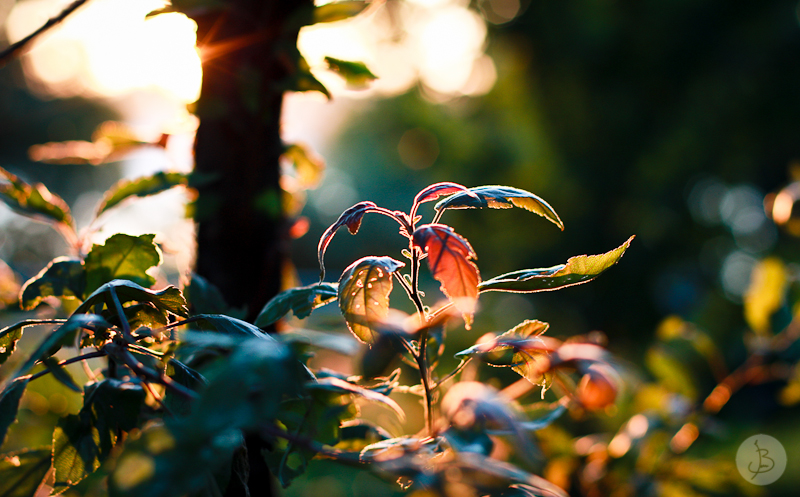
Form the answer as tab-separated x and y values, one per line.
71	360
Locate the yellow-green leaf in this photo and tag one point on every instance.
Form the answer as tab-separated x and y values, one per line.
122	257
364	290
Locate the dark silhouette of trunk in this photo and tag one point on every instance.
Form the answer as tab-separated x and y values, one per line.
242	239
242	235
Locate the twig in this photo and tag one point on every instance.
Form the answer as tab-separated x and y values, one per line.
17	48
71	360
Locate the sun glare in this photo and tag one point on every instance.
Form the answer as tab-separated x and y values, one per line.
108	48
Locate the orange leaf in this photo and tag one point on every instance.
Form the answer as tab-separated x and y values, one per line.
449	257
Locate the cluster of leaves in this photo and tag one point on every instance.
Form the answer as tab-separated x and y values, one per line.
168	412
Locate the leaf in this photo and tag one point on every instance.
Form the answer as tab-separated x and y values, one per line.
308	165
229	325
81	442
34	201
21	473
62	278
302	79
470	461
122	257
436	190
364	290
9	405
9	336
141	187
350	218
338	11
500	197
577	270
332	384
449	257
766	294
301	301
205	298
169	299
356	74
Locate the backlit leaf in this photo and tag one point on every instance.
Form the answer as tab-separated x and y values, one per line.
500	197
356	74
577	270
9	405
141	187
338	11
229	325
22	472
332	384
364	290
301	301
766	294
61	374
308	166
34	201
449	257
350	218
122	257
435	191
302	79
62	278
170	299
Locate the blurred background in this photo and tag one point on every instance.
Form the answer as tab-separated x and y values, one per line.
673	120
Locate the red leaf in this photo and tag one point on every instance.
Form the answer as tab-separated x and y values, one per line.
350	218
449	257
437	190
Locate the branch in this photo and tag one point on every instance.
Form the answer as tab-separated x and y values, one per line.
17	48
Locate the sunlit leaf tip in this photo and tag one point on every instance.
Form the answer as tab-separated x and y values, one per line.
350	218
500	197
34	201
141	187
356	74
437	190
579	269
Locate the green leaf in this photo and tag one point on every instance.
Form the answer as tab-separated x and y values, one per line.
229	325
337	385
139	315
62	278
364	290
122	257
308	166
304	80
449	259
577	270
9	405
500	197
301	301
141	187
34	201
22	472
338	11
82	442
356	74
169	299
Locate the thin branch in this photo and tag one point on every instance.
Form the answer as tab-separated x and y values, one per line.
19	47
452	374
71	360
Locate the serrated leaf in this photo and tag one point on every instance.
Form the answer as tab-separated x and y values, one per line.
34	201
141	187
122	257
356	74
500	197
364	290
577	270
338	11
308	165
62	278
449	259
337	385
352	219
169	299
139	315
301	301
9	405
21	473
